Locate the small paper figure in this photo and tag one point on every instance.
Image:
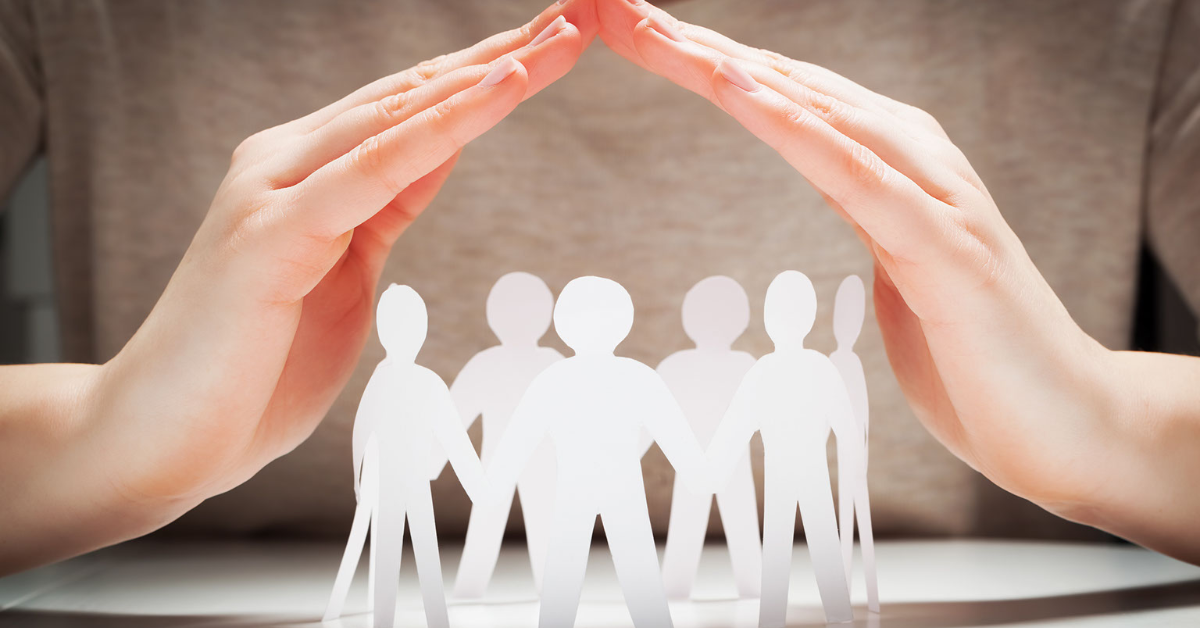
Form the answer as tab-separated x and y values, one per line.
703	380
411	414
593	407
519	308
849	309
793	396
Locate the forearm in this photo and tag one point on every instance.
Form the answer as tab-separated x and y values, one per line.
1150	473
56	499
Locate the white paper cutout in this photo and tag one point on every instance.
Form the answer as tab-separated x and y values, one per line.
519	308
793	396
411	416
849	309
703	380
593	406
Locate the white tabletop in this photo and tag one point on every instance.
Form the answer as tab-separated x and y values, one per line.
937	584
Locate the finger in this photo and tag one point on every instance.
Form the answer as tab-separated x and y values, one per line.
692	65
344	193
578	13
546	58
382	229
892	209
624	25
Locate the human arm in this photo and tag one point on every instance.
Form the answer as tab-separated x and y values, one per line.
267	313
985	352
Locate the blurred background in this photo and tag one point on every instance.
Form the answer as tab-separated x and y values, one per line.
118	120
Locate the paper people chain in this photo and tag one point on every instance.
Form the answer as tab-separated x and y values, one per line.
567	436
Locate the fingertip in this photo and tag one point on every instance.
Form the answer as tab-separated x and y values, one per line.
501	71
731	72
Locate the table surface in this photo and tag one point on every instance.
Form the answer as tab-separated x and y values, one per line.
934	584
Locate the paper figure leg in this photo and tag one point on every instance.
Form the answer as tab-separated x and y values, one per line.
779	531
820	530
739	516
631	542
481	549
425	551
373	547
354	548
846	495
388	540
537	508
863	502
685	540
566	562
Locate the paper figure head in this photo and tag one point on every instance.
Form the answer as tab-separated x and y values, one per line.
790	309
716	312
849	308
519	309
593	315
402	322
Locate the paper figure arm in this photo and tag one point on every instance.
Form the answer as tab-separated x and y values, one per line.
668	426
840	413
365	419
526	429
729	442
468	400
454	440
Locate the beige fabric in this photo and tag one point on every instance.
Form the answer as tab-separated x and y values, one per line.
614	172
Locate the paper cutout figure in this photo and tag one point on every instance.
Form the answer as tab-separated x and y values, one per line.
793	396
519	308
715	313
410	413
849	309
593	406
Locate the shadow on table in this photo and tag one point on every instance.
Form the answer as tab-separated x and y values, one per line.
900	615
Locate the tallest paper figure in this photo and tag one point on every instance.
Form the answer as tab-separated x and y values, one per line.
593	407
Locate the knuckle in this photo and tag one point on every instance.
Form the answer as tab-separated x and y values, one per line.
248	147
441	119
367	158
390	109
864	168
921	117
428	70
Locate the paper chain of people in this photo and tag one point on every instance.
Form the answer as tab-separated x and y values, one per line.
568	435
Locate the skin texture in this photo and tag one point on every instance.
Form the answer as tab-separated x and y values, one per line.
267	313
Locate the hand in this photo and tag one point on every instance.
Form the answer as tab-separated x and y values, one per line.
265	317
985	352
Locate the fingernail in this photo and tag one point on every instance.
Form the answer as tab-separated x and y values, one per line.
636	3
549	31
666	29
503	70
734	73
563	1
